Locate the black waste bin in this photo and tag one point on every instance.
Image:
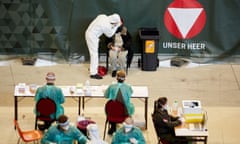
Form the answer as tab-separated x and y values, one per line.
150	44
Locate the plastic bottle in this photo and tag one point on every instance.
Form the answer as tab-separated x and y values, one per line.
175	107
87	83
87	87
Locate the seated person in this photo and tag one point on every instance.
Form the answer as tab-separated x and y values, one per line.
128	134
93	134
122	92
63	132
54	93
165	123
120	50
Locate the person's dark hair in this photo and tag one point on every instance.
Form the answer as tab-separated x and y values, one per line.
119	29
161	101
158	104
61	119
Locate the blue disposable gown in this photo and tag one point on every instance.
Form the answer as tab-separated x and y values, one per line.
54	93
68	137
126	90
120	137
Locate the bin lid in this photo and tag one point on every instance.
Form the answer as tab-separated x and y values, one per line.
149	33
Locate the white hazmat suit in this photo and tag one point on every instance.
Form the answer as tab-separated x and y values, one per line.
102	24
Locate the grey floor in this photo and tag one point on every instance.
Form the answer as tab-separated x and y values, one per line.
216	86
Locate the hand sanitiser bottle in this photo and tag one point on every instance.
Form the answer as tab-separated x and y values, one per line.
175	107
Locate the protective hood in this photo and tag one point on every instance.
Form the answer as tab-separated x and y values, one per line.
114	18
93	133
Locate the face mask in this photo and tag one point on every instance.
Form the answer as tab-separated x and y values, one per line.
127	127
165	107
65	127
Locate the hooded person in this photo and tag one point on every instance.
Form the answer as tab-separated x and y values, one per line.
102	24
93	134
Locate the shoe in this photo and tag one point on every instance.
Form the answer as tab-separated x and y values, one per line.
41	127
114	73
96	76
111	131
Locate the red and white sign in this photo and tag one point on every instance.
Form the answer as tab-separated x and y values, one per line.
185	18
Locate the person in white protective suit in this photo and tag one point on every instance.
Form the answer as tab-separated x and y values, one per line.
93	134
102	24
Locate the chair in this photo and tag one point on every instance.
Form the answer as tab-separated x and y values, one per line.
28	136
160	141
115	112
82	125
45	107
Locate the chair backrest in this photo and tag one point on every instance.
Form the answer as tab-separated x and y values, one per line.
115	111
155	127
45	107
18	128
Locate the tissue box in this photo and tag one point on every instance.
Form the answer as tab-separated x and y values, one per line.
192	107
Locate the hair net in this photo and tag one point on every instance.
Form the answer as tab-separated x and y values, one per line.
50	76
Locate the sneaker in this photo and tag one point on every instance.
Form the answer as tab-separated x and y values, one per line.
114	73
96	76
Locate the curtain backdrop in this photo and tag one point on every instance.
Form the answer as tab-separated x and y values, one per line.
30	26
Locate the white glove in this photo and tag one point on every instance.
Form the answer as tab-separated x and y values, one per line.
133	141
52	143
89	142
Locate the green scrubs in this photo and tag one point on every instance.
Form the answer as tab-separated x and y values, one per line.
54	93
126	90
121	137
55	135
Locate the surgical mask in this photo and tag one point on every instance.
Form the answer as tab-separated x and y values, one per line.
127	127
165	107
65	127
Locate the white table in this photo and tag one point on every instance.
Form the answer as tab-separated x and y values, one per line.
140	92
192	132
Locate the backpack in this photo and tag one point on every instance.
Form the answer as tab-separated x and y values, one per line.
102	71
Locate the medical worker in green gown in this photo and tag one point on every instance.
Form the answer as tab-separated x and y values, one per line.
122	92
128	134
63	133
53	92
